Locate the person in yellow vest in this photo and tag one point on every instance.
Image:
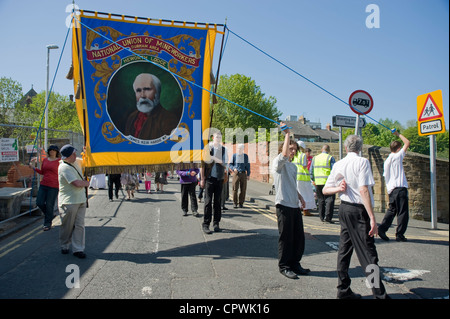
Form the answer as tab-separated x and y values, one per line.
304	186
320	169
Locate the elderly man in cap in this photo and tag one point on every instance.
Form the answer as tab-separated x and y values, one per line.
72	202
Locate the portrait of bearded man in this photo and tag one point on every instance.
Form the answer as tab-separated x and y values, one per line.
150	120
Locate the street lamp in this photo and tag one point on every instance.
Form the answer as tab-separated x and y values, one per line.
49	47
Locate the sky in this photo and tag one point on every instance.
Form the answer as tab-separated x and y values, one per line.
326	41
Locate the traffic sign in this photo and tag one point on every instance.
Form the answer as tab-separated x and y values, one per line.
361	102
430	113
348	121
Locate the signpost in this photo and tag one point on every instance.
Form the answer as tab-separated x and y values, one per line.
430	119
346	121
361	103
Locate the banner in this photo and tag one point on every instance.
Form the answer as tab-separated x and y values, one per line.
139	93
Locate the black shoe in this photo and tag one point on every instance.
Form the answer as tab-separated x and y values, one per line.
79	254
241	206
64	251
235	206
301	271
350	296
400	238
217	228
195	213
224	208
206	229
184	213
289	274
382	235
328	221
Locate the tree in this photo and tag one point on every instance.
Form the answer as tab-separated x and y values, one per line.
242	90
10	94
62	114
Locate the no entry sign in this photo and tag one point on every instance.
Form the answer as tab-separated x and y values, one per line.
361	102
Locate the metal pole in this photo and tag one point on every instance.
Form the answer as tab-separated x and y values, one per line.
50	46
340	142
46	103
357	130
433	181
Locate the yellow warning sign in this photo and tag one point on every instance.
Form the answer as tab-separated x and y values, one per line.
430	113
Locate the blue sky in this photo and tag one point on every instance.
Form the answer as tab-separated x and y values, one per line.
326	41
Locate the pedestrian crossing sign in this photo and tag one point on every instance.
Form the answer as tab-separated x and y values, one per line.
430	113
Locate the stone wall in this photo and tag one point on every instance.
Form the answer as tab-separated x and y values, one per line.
417	170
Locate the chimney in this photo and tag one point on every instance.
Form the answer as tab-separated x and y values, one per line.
328	127
302	119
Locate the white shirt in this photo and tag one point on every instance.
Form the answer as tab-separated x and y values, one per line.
69	194
285	181
394	175
357	172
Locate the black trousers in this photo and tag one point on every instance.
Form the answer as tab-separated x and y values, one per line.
291	242
325	204
213	192
398	205
113	180
188	191
355	227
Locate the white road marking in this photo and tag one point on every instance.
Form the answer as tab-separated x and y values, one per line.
401	274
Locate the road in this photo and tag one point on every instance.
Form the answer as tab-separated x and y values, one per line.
146	249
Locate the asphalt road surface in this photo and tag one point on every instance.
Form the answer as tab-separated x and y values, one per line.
146	249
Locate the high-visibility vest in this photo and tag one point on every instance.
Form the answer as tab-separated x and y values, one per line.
302	172
322	168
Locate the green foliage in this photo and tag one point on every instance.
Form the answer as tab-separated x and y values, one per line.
243	90
62	113
376	134
10	94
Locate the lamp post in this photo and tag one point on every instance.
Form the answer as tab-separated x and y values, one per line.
49	47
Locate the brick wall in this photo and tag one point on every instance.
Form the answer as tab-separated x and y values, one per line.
417	170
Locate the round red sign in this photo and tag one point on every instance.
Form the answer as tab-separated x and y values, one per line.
360	102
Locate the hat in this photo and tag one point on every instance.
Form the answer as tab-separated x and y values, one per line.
53	147
301	144
67	150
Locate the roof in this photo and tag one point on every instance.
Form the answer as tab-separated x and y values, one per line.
301	129
304	130
27	97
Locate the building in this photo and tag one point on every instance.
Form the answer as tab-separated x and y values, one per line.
307	131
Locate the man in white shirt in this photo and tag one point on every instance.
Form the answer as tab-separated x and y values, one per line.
352	178
291	242
397	188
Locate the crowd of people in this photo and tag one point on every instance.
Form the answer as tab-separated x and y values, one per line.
302	183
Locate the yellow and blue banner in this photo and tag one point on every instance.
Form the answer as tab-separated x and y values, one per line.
140	90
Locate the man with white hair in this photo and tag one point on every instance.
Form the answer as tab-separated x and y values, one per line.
352	178
150	120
